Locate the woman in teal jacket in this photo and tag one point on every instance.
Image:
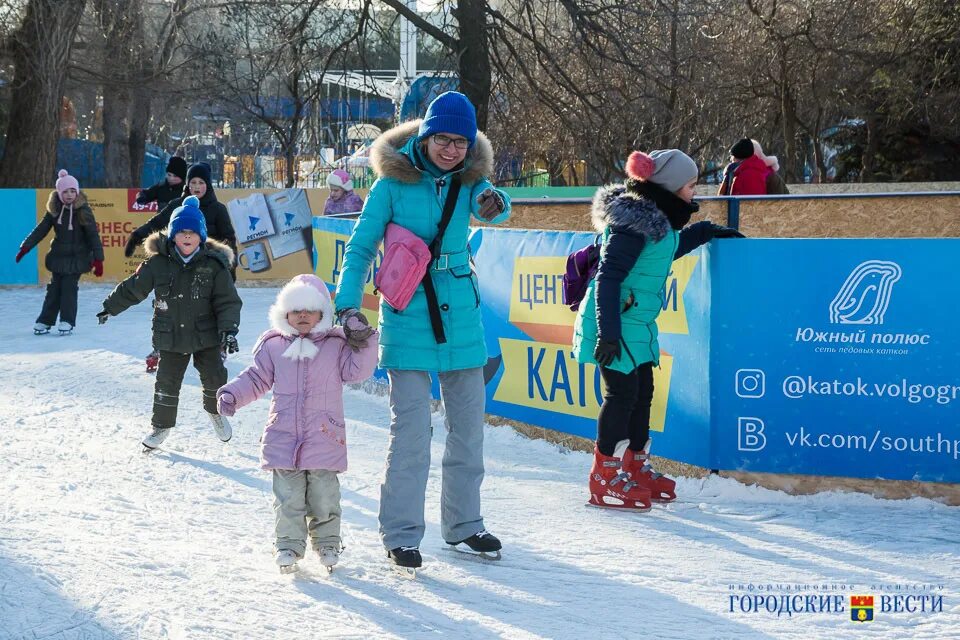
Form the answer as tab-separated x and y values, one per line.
616	326
416	164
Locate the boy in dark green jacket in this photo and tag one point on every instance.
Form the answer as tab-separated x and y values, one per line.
196	312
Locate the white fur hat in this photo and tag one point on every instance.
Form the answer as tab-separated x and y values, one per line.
305	291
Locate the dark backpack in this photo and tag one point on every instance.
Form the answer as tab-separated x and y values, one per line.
582	266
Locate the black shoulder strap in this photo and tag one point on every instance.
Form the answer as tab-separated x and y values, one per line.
433	305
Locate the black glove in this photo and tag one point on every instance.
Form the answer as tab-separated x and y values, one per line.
606	352
718	231
228	342
103	316
491	204
132	243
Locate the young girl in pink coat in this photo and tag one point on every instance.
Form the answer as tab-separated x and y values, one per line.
305	360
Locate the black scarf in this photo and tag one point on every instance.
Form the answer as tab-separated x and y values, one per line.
677	210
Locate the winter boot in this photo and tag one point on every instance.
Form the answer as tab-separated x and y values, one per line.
611	486
65	328
483	543
287	560
329	556
637	465
221	426
153	361
41	329
155	438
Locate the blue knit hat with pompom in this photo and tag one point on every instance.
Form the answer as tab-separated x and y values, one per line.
188	217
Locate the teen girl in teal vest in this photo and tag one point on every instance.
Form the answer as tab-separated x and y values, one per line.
641	222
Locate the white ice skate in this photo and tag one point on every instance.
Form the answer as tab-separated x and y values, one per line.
221	426
155	438
287	561
329	556
65	328
41	329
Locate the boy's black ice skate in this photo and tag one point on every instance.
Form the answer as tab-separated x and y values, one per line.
482	543
406	560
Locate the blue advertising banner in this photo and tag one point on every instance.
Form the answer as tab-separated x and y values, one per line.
825	357
836	357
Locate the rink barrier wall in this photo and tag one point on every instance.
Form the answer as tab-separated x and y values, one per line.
811	357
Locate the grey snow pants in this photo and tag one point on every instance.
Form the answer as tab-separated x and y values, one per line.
403	491
306	502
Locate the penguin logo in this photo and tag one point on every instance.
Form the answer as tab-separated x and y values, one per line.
865	294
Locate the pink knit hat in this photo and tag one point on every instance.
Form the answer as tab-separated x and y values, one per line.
66	181
341	179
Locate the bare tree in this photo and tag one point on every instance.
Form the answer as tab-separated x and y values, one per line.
40	49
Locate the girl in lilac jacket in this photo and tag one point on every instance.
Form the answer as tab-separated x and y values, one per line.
305	360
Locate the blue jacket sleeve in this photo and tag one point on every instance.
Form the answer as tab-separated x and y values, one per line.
692	237
619	255
479	188
362	246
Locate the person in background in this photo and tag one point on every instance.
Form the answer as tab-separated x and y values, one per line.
746	175
342	199
642	225
196	314
775	184
74	250
305	361
170	188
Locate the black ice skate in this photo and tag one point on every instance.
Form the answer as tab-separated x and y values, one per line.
483	544
406	560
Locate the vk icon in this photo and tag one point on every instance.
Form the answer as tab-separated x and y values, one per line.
750	436
750	383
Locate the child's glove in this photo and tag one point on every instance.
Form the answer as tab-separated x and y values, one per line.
606	352
97	266
226	404
228	342
103	316
718	231
21	253
491	204
132	242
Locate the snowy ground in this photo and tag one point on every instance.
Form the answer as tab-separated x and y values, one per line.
98	540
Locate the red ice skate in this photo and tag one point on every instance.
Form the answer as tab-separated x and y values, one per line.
637	465
611	486
153	361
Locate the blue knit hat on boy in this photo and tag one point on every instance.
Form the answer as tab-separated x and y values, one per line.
450	112
188	217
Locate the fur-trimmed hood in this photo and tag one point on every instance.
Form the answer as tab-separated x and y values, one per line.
390	156
614	206
305	291
54	204
157	243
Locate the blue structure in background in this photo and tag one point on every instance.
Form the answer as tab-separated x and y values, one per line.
20	217
423	90
84	160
